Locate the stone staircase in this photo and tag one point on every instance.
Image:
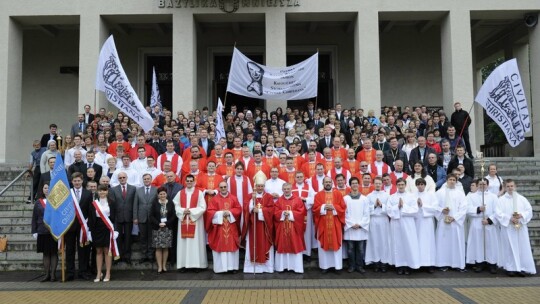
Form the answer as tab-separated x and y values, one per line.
15	214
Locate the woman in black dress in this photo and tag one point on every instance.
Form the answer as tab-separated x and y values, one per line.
101	233
162	217
45	241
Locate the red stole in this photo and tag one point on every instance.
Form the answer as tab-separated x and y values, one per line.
260	230
113	246
245	187
188	226
174	161
237	154
375	170
315	184
43	203
353	166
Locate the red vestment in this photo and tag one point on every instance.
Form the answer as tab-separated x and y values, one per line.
149	151
354	166
309	169
205	181
290	234
254	168
271	162
261	231
161	179
225	237
113	145
329	227
288	176
367	156
225	169
219	160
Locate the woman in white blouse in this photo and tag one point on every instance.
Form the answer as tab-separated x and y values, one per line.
495	181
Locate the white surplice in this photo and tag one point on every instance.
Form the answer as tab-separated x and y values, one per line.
477	231
450	238
425	227
357	213
378	246
404	238
191	252
516	254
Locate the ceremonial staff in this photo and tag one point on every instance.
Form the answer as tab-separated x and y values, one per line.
255	231
482	169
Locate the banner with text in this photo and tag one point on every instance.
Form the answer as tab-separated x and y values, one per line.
112	80
248	78
503	97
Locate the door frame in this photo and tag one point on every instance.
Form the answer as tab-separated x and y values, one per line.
144	52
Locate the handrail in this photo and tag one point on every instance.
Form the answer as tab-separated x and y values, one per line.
14	181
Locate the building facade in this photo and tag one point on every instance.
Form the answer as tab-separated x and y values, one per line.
372	54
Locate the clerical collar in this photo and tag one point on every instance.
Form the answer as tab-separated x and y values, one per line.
357	196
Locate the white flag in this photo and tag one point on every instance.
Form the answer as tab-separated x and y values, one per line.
503	97
155	98
248	78
220	129
112	80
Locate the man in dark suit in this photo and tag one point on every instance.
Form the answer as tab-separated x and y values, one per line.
49	136
172	187
83	198
326	140
45	177
394	153
88	117
144	196
420	153
124	196
79	126
206	143
90	156
317	123
461	159
157	143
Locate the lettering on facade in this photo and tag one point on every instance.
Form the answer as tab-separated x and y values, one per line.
227	6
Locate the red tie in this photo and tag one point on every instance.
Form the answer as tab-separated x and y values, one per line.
124	193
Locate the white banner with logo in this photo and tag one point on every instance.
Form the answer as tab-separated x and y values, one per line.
112	80
251	79
220	128
155	98
503	97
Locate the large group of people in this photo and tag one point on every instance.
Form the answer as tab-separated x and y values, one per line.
398	191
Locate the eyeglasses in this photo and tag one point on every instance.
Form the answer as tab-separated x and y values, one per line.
122	177
363	165
189	181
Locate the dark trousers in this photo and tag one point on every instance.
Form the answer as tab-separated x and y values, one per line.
35	183
356	251
71	239
124	239
467	142
145	239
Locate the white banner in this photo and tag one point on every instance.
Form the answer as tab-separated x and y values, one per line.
155	98
220	129
112	80
251	79
503	97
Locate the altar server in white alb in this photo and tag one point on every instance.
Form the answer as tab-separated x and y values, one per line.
428	208
356	233
402	209
514	212
191	246
450	236
483	240
378	247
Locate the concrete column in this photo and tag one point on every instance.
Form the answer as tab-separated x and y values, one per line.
521	53
11	58
457	68
184	62
276	48
367	62
478	111
534	60
93	34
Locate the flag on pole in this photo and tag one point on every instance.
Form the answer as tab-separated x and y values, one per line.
248	78
155	98
220	129
112	80
60	211
503	97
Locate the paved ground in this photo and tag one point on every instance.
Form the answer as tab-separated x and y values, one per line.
310	287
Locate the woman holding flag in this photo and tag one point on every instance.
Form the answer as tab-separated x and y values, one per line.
100	221
45	242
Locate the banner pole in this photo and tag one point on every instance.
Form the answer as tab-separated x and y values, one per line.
463	127
91	122
63	260
317	97
225	99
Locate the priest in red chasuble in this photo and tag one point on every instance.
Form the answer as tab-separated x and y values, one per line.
258	229
289	221
329	215
222	223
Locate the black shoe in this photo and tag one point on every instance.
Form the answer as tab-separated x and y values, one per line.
361	270
324	271
84	276
522	274
511	273
182	270
493	269
406	271
196	270
383	269
431	269
128	261
235	271
47	278
400	271
53	279
350	269
462	270
70	278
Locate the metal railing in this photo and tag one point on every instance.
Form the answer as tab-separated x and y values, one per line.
25	171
